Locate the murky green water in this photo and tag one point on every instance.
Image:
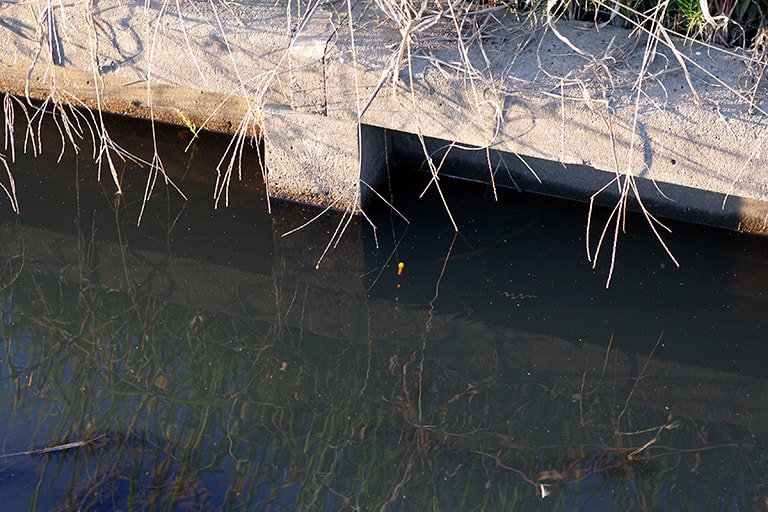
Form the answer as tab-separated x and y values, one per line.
201	362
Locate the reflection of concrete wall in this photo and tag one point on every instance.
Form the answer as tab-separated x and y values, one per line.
586	373
326	298
182	280
332	302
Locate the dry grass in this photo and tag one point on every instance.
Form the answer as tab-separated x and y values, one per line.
464	26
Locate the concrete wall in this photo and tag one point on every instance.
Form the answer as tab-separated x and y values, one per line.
566	110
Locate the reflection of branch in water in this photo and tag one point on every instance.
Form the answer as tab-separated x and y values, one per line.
428	326
579	462
583	393
56	448
444	427
398	487
641	376
14	273
510	233
430	315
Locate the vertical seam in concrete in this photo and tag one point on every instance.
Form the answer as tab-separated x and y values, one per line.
324	65
328	42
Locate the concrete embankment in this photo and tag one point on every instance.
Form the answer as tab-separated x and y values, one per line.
339	91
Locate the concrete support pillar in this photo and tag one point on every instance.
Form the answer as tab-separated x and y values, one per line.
320	160
309	156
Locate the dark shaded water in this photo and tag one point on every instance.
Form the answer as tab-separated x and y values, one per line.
201	361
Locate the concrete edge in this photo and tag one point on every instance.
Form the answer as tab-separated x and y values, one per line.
599	133
586	184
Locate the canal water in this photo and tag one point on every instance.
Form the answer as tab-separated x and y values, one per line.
222	359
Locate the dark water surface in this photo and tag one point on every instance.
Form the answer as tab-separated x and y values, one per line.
200	361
